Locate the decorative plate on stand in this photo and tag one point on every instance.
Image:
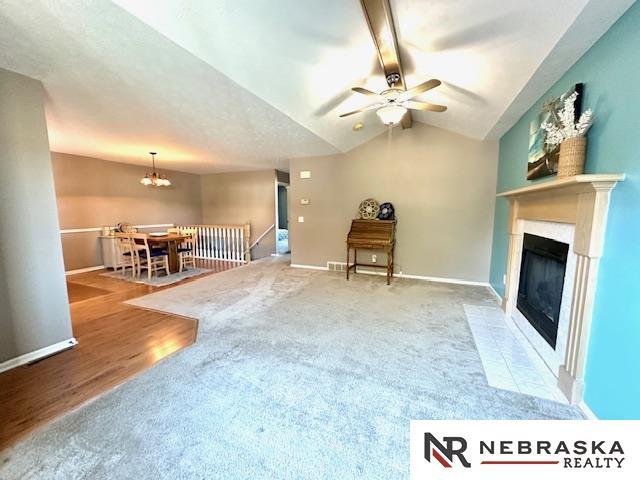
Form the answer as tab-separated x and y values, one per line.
125	227
369	209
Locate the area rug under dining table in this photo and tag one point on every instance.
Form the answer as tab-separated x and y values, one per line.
157	280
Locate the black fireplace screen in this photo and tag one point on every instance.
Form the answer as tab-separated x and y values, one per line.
542	272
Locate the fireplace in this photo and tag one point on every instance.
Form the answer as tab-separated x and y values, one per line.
582	202
542	272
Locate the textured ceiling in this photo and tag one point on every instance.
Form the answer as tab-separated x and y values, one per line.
219	85
116	89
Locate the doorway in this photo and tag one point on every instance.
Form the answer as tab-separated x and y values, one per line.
282	224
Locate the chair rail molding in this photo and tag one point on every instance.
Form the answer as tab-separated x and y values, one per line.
99	229
583	201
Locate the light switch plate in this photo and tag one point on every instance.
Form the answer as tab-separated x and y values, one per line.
304	201
305	174
300	219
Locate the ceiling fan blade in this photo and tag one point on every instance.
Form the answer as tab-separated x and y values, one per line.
430	107
351	113
364	109
364	91
418	89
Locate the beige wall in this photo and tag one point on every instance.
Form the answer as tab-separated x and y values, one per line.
443	188
243	197
92	193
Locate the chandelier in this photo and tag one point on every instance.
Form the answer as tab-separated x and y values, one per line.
154	179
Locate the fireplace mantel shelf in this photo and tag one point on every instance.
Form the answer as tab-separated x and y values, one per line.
578	182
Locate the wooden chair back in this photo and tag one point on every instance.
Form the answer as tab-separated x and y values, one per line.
127	253
191	234
140	242
124	243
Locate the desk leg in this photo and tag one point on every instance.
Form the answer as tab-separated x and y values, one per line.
393	260
347	262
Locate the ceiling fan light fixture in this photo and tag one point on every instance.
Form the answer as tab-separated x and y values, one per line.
391	114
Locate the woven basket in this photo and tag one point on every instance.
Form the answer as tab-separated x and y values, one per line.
572	156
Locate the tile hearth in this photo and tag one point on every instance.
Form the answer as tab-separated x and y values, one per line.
508	359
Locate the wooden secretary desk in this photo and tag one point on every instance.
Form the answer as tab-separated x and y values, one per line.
372	235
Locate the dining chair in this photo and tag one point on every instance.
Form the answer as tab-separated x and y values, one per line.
127	255
149	259
187	250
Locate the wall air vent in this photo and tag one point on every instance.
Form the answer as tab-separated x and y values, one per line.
336	266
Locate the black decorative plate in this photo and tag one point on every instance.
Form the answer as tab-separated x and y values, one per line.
387	212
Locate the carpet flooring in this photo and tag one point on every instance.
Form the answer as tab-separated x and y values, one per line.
296	374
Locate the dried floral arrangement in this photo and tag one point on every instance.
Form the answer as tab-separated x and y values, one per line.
567	127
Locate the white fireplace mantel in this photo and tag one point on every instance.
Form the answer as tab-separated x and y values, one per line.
569	184
583	201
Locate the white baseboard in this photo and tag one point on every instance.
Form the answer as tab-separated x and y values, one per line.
38	354
221	259
587	411
84	270
308	267
457	281
493	290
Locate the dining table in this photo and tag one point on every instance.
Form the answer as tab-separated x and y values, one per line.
170	242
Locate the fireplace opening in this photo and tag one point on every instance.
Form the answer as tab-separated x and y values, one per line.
542	271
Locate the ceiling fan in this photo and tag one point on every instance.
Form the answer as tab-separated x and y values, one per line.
393	103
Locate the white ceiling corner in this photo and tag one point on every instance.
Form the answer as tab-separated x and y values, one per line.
586	29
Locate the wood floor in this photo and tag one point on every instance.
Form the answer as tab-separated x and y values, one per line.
115	342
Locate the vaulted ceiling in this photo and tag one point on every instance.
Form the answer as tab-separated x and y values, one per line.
221	85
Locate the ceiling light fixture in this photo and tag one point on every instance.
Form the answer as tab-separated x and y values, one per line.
154	179
393	103
391	114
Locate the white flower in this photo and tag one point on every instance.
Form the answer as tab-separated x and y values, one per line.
586	120
568	128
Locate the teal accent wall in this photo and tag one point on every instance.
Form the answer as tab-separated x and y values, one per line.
610	71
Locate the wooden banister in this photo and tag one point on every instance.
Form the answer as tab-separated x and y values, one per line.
264	234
